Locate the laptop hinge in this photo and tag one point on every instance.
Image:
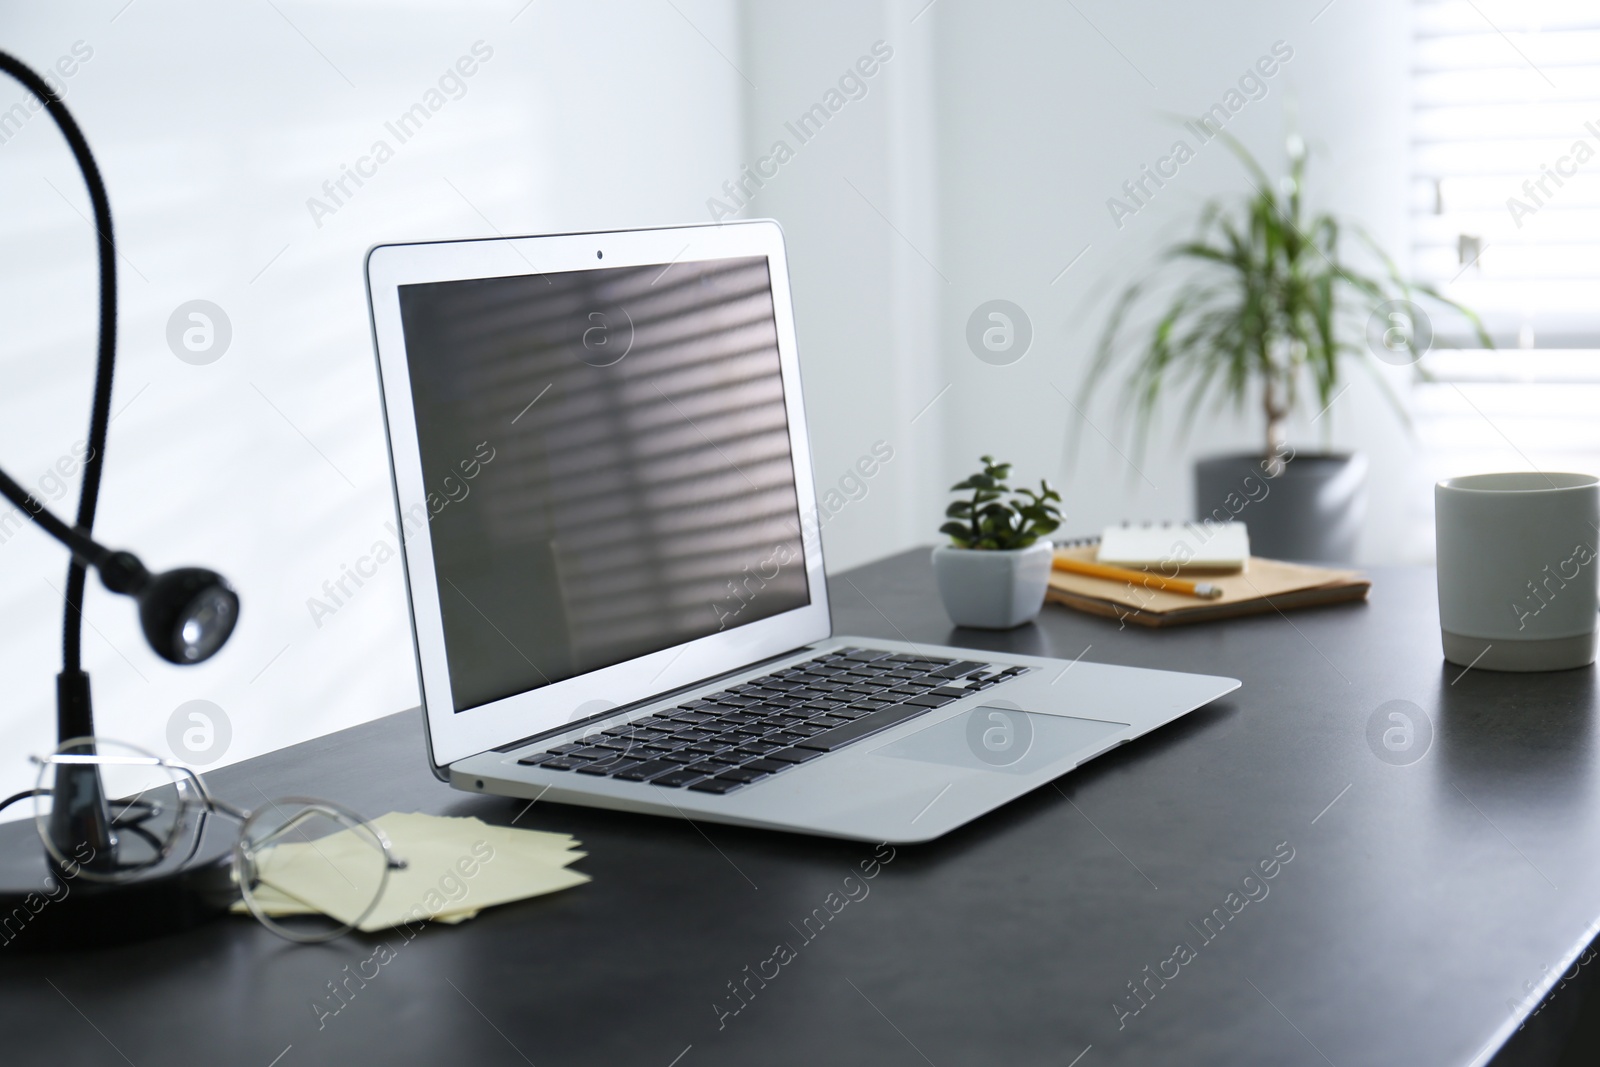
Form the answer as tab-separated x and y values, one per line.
625	709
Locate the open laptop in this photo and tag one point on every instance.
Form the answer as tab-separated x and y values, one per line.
614	569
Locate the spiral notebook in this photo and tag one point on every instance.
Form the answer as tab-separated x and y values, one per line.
1178	547
1265	586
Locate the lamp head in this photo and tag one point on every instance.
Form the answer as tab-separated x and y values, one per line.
187	614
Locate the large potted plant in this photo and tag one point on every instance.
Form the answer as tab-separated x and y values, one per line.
1268	310
994	572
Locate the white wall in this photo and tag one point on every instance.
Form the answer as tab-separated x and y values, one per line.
858	205
213	125
1044	113
1038	112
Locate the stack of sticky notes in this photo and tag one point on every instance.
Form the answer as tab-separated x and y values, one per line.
454	867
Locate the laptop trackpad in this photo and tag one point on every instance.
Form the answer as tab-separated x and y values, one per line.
1005	739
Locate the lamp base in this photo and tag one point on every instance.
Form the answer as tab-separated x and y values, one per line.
41	911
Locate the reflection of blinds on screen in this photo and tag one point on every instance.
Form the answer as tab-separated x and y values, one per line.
641	492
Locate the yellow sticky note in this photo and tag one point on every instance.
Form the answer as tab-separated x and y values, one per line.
453	868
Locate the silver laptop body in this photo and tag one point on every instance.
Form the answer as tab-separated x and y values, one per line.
607	516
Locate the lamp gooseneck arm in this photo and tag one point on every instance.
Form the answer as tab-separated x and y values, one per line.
74	718
120	571
84	548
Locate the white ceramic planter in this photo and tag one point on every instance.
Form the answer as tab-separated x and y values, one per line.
992	590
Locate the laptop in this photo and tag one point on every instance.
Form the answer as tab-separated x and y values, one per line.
609	530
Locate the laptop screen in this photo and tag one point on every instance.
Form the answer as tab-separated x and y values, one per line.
607	461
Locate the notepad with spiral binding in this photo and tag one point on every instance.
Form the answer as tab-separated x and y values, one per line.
1181	547
1266	586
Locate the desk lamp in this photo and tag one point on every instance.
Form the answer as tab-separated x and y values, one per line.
186	614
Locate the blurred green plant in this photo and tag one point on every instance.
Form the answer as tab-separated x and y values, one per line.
1269	304
985	521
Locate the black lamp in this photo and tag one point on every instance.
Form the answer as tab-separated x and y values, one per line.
186	614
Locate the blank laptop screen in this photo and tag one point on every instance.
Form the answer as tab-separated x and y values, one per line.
607	463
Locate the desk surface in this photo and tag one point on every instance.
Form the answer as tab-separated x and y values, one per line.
1420	898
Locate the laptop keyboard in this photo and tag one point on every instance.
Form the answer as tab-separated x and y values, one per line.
740	736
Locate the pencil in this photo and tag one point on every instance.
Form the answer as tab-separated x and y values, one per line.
1203	590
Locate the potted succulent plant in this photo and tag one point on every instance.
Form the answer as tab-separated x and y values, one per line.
994	572
1268	307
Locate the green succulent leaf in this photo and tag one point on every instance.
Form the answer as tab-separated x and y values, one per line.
990	521
956	531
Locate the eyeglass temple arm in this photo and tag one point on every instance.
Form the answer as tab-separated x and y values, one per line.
210	802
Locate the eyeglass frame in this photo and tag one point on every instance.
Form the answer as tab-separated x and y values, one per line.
242	855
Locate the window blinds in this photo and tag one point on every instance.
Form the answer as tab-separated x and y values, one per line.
1505	187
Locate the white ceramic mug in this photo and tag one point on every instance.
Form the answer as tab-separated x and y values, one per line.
1518	558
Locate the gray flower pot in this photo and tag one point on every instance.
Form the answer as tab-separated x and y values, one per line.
991	590
1311	512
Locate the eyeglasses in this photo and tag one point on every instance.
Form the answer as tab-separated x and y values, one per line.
309	870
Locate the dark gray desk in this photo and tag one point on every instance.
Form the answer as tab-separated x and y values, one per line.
1419	901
